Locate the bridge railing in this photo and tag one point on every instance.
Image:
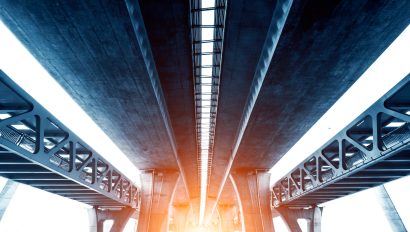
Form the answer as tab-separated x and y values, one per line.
34	142
381	132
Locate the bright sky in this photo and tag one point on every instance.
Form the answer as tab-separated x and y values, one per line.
354	213
361	211
47	213
358	209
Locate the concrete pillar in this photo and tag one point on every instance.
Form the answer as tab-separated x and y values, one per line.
291	216
389	209
227	215
252	187
92	219
6	195
157	191
100	221
120	218
180	215
316	221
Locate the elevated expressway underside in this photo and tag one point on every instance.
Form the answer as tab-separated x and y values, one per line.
128	64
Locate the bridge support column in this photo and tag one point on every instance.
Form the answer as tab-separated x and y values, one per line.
6	195
396	224
227	215
252	187
157	192
180	215
291	216
120	218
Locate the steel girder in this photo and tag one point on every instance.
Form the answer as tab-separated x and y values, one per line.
38	150
277	24
372	150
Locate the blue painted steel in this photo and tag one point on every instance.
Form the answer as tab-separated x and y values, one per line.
37	149
370	151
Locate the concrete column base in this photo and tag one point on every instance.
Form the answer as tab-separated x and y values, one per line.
252	187
157	191
227	215
120	218
291	216
180	215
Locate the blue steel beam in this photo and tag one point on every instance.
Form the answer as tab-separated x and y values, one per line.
372	150
37	149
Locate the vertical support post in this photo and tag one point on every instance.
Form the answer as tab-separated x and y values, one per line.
100	222
252	188
6	195
92	219
180	215
120	218
396	224
291	216
227	215
316	221
157	193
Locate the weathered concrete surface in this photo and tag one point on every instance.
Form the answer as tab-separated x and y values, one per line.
167	25
245	33
90	48
324	48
